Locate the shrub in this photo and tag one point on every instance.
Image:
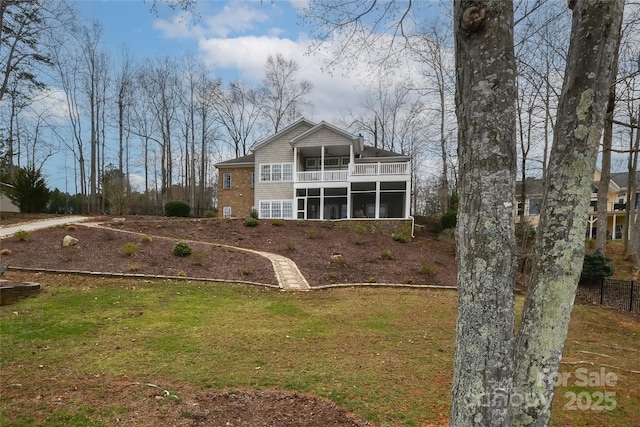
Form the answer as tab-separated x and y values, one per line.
182	249
337	259
291	245
373	280
22	235
198	258
277	222
177	208
250	222
146	239
5	251
399	237
595	267
428	269
360	229
387	254
182	274
254	214
209	214
449	220
134	267
129	248
312	233
71	227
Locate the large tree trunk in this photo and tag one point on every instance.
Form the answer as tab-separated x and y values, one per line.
595	37
485	106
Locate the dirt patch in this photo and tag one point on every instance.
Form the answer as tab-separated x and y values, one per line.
125	402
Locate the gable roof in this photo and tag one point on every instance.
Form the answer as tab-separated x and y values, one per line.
263	142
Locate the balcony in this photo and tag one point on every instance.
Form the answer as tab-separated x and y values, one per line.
360	170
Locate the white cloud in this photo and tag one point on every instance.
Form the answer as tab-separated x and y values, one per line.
235	18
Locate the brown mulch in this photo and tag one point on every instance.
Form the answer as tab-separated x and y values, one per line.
368	257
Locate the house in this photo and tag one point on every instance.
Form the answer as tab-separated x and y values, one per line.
617	197
315	171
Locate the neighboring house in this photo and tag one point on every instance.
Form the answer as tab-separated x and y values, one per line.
617	198
6	205
315	171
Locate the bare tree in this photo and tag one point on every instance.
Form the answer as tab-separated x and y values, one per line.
282	94
238	108
160	85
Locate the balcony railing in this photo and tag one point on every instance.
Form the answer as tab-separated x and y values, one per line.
319	176
362	169
399	168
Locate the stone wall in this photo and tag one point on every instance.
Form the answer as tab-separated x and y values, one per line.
11	292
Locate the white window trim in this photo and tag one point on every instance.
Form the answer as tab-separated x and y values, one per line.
266	208
226	211
267	172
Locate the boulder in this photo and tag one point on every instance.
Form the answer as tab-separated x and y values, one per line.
118	221
69	241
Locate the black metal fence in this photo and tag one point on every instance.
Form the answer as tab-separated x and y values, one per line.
621	295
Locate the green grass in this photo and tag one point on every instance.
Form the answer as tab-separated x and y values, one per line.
384	354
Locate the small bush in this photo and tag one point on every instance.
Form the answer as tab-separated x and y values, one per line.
129	248
595	267
449	220
5	252
254	214
146	239
250	222
134	267
182	274
399	237
332	276
209	214
291	245
277	222
246	272
177	208
198	258
71	227
337	259
182	249
22	235
373	280
387	254
312	233
360	229
428	269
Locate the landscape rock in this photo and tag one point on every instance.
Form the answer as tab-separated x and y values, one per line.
69	241
118	221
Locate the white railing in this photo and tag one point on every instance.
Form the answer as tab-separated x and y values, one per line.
360	169
318	176
400	168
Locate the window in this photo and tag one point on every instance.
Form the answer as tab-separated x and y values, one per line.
226	181
265	173
253	179
276	209
226	211
535	205
276	172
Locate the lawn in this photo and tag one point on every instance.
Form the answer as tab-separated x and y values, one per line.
82	351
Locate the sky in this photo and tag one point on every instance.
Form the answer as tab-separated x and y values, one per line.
233	38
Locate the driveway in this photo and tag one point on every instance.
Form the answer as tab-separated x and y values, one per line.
35	225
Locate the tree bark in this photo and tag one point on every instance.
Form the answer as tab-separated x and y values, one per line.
485	106
559	250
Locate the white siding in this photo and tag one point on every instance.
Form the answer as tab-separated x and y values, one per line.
324	137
